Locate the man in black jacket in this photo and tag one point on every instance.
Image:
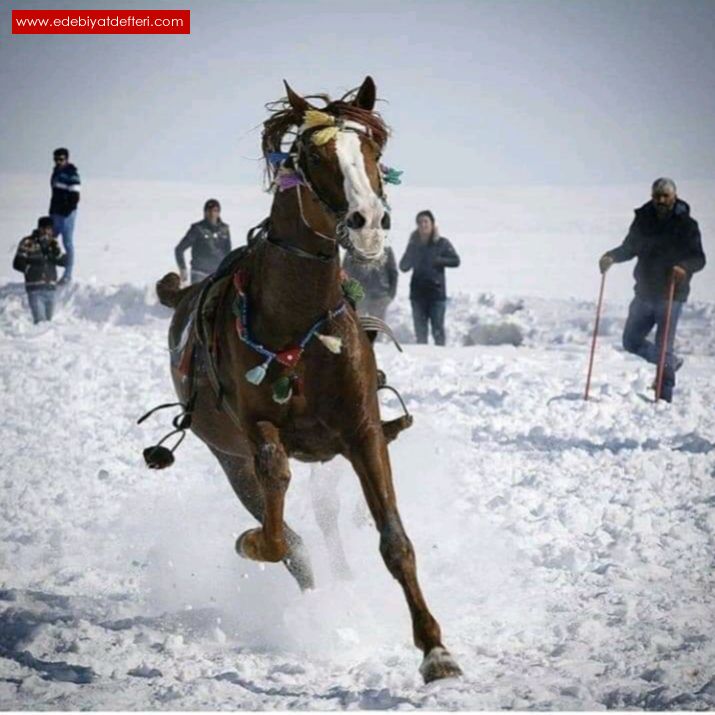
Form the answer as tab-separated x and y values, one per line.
427	255
209	241
378	281
37	257
666	241
65	185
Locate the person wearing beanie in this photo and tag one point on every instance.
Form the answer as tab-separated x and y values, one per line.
66	186
37	258
209	241
427	255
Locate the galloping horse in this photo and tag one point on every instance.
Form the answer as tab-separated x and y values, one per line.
284	367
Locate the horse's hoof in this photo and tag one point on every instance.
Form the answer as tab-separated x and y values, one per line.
438	664
252	545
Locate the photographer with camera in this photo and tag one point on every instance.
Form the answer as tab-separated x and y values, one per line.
37	257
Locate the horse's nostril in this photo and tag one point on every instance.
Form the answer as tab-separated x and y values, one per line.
386	222
355	220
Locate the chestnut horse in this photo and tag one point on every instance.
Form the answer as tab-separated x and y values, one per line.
294	369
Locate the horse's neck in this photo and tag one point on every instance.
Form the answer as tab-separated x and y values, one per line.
291	291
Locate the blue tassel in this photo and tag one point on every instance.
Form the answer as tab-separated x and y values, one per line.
277	157
391	176
256	374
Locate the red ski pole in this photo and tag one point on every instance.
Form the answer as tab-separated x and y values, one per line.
595	333
664	341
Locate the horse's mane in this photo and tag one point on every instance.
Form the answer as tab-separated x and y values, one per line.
284	118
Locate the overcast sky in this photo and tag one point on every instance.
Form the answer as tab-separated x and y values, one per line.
478	92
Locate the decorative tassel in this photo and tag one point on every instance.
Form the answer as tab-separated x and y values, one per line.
335	345
316	118
282	390
277	157
323	136
391	176
289	357
353	290
256	374
288	180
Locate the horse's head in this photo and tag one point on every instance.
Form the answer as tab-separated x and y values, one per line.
337	154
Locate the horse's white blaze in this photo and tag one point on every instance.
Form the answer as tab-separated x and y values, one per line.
370	239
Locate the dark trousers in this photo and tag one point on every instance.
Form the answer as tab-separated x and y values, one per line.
642	316
42	303
425	312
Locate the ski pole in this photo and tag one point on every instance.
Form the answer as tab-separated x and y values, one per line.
664	341
595	333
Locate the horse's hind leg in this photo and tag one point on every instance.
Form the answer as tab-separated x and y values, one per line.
326	507
242	477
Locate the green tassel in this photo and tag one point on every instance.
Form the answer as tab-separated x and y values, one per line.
236	306
256	374
282	390
392	176
353	290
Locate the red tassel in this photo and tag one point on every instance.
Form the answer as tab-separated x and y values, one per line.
289	357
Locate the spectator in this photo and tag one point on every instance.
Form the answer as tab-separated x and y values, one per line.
37	257
666	241
63	205
209	241
427	255
379	281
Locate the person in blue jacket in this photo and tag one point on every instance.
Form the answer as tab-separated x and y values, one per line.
65	183
427	255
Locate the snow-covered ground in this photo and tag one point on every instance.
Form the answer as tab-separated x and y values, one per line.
565	547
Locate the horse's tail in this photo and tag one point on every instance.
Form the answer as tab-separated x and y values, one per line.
169	290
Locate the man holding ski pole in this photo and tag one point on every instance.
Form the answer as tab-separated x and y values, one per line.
666	241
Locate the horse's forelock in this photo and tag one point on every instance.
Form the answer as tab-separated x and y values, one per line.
284	118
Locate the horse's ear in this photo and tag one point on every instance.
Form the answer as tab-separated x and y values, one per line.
365	98
295	100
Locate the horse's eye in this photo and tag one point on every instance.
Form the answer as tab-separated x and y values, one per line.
313	157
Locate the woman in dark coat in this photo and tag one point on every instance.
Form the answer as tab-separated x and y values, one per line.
427	255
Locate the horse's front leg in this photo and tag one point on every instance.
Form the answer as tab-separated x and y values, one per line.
268	543
369	457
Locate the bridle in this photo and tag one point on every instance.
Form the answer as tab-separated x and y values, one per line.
295	159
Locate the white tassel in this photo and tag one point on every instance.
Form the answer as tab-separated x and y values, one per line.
335	345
